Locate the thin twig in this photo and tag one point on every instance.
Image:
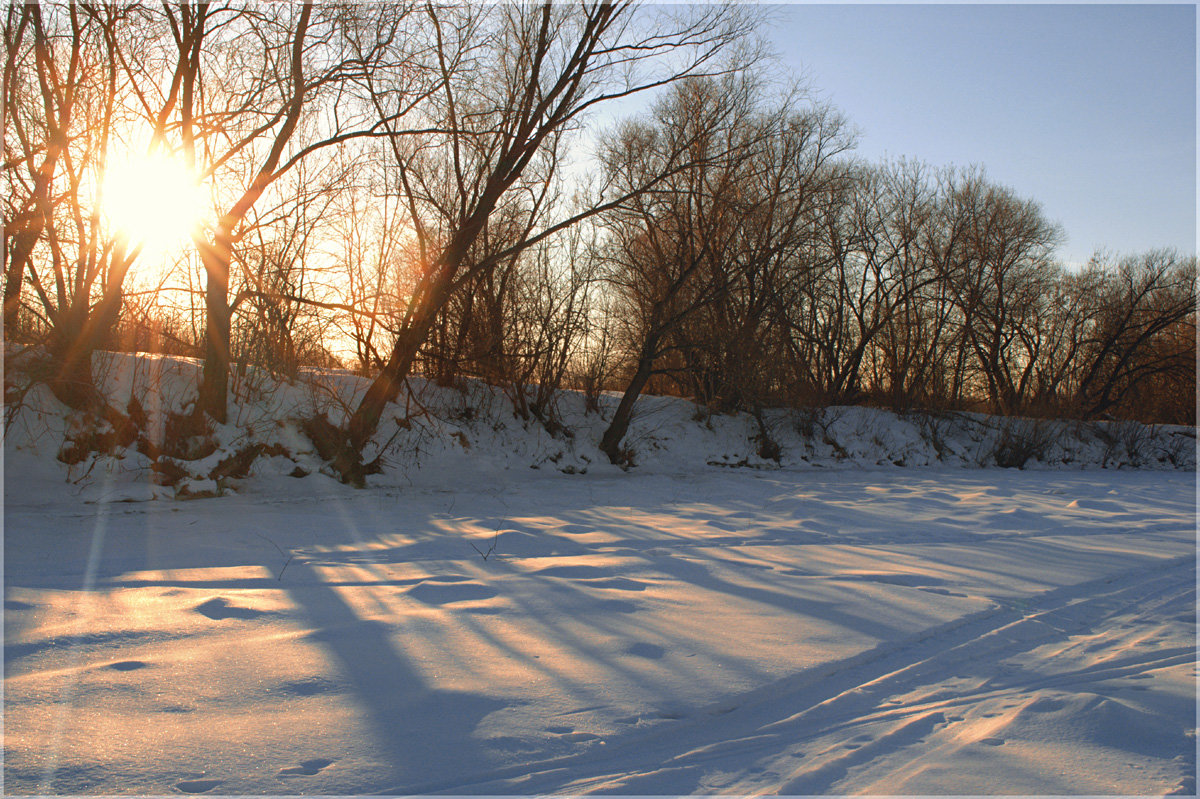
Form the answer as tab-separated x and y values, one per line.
290	555
491	549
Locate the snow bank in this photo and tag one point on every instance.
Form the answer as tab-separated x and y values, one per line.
435	433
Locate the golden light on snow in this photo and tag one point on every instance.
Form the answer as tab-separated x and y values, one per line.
155	201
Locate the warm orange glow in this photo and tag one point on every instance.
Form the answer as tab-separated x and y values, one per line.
155	201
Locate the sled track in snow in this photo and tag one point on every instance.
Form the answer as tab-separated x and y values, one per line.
806	732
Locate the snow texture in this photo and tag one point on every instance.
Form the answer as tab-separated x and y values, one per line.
830	624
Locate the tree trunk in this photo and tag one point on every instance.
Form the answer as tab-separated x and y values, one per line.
72	381
79	332
214	382
15	274
386	387
610	443
429	300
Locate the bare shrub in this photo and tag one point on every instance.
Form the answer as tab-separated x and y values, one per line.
807	420
1178	449
935	429
1020	440
768	446
1124	441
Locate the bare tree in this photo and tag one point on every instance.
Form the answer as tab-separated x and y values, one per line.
907	243
32	147
1007	246
62	102
1145	302
280	296
515	79
253	91
547	323
734	346
670	251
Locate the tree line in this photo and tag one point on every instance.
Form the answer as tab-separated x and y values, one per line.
401	189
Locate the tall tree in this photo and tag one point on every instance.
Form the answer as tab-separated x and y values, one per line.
515	79
671	252
254	90
63	93
1007	247
1146	301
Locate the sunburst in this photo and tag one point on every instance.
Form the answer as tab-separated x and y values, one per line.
155	202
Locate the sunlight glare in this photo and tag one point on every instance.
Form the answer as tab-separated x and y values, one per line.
155	201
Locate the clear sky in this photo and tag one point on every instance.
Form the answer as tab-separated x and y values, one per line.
1088	109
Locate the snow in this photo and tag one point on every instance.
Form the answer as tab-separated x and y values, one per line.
471	625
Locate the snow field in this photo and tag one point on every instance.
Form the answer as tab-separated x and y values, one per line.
503	612
723	631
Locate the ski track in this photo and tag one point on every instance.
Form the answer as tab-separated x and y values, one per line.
865	710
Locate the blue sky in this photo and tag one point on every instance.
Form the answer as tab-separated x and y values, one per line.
1088	109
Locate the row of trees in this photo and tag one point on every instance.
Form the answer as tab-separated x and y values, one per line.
399	188
773	271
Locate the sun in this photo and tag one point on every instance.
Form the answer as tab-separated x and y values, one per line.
155	202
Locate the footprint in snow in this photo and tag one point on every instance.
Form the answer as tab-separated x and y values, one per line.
574	529
128	665
309	686
642	649
219	608
307	768
941	591
441	592
197	786
572	572
992	741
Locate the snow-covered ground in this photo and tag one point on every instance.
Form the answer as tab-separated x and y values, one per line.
836	624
